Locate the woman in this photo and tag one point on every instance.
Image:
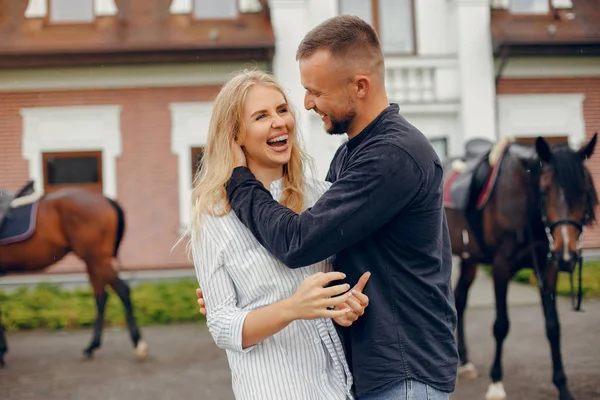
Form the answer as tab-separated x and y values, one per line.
274	322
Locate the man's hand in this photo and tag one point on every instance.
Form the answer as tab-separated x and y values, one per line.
357	302
239	158
201	301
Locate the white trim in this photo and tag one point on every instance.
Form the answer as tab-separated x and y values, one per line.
430	108
189	128
73	128
526	67
104	8
39	8
36	9
526	115
138	76
181	7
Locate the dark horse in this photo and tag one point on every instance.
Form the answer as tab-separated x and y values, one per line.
536	208
92	227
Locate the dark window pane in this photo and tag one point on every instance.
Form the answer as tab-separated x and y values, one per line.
72	170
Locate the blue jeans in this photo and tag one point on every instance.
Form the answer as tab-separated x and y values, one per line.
409	390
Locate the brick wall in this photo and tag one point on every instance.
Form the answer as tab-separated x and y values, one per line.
146	170
590	87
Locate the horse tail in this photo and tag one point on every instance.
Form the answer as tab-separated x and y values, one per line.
120	224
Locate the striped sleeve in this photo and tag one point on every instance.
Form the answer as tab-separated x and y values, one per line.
224	319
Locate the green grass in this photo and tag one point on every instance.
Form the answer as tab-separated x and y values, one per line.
590	280
48	307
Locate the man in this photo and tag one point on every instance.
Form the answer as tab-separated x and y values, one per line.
383	213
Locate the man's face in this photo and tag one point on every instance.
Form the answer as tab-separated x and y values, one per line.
327	92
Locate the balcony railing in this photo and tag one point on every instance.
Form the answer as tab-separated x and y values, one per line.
419	80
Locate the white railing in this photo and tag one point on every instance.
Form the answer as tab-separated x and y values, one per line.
422	80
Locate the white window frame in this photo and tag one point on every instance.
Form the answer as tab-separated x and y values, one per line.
546	8
376	24
39	8
530	115
69	129
189	128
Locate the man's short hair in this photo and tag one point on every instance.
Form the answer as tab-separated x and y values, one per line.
345	37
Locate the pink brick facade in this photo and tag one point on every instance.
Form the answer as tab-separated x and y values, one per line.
147	174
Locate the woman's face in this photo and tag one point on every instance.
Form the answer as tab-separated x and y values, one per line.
269	126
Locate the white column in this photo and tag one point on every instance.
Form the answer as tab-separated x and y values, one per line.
289	19
292	19
476	65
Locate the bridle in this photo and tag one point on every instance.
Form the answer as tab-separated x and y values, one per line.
552	255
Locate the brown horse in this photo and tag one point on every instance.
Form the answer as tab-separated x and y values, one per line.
92	227
534	217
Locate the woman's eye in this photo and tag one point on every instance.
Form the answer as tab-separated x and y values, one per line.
283	110
260	117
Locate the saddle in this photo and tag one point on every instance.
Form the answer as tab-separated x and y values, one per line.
6	199
470	174
472	181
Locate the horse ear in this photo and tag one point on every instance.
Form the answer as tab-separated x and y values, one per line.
586	151
543	149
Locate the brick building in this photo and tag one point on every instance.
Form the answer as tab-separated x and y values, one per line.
548	74
121	90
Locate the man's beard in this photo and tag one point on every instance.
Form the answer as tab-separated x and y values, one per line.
339	126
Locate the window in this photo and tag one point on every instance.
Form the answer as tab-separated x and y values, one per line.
530	6
440	145
73	169
553	140
197	153
71	11
392	19
215	9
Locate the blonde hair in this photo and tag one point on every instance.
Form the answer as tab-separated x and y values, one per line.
227	124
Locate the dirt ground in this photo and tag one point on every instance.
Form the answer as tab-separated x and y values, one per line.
184	363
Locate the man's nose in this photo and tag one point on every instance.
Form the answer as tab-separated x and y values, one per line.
309	103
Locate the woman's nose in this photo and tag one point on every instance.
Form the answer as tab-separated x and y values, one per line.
278	121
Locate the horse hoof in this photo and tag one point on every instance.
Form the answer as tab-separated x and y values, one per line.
141	350
467	371
495	392
88	354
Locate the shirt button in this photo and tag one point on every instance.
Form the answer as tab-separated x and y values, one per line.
316	340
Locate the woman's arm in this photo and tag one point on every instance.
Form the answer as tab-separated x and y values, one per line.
239	330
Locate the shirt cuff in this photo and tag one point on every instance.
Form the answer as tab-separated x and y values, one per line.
237	325
238	177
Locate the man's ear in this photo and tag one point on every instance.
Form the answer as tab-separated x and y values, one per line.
363	84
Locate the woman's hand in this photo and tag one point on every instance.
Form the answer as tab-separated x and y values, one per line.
356	303
313	300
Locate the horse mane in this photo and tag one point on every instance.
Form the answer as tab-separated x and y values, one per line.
574	178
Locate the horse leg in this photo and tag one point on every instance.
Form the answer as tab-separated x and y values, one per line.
3	345
101	297
124	293
468	270
501	327
553	333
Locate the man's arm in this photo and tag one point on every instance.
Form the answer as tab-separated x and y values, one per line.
371	191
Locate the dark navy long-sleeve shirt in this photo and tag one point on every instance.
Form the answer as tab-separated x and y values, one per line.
383	213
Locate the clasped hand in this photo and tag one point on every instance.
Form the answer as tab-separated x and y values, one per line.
313	300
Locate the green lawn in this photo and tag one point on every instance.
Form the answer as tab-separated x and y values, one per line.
49	307
590	281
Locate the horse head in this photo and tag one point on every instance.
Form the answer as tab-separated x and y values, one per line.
568	198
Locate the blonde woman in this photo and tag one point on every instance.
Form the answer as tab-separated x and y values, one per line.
275	323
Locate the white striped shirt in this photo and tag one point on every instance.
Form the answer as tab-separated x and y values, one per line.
237	274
